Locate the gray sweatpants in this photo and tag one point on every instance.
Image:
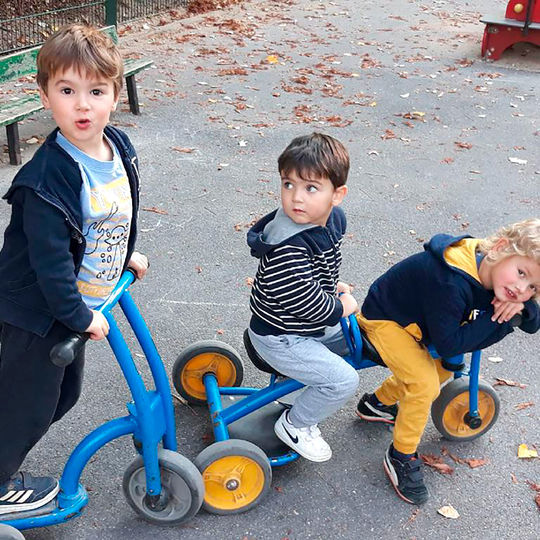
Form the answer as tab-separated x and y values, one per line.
315	362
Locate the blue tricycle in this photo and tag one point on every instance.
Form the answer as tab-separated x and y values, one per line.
237	467
162	486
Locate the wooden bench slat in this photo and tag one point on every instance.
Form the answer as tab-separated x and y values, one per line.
13	111
18	64
133	65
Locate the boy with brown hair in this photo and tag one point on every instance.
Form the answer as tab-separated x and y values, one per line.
294	301
459	295
72	232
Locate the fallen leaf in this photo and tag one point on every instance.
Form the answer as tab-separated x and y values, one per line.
272	59
495	359
524	405
220	331
448	511
199	269
471	462
518	161
183	150
156	210
464	145
524	452
437	463
249	281
514	479
507	382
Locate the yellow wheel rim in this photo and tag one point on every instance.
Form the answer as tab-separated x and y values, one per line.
454	414
232	482
195	369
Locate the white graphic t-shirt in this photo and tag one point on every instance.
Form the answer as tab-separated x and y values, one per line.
107	211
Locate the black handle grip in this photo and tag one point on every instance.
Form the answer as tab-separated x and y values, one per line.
63	353
516	320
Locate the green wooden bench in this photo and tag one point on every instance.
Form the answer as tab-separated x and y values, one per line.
19	107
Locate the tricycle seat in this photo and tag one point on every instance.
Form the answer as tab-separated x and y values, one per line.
370	352
256	358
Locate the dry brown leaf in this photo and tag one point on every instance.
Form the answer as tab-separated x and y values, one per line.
156	210
499	381
464	145
183	149
435	462
524	405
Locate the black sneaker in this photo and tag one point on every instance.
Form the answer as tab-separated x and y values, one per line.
26	492
372	413
406	477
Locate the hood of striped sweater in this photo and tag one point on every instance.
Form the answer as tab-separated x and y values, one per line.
272	230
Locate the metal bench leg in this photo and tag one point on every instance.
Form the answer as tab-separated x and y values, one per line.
14	145
131	86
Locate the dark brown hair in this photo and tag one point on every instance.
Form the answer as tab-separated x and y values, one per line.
83	48
316	154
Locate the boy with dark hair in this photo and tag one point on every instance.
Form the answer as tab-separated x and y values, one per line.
72	232
459	295
295	308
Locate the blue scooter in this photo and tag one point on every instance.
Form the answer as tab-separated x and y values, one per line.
162	486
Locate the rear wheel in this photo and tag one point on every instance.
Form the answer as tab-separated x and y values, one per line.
201	358
182	489
236	476
450	411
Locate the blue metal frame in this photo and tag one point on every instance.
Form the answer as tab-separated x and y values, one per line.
256	398
150	415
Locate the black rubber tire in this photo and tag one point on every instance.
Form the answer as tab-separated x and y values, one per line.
204	357
10	533
452	426
181	480
251	472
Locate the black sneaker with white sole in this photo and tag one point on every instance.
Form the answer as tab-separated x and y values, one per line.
23	492
366	410
406	477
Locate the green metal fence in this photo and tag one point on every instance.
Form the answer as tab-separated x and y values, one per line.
26	23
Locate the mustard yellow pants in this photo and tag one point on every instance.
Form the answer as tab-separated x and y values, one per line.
415	381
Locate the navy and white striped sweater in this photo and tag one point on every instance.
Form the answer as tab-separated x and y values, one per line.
294	291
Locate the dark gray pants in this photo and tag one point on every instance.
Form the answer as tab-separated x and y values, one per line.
34	393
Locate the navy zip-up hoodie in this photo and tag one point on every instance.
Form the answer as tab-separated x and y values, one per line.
43	243
294	291
437	296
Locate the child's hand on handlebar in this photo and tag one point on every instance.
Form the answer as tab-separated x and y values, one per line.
99	327
504	311
350	305
343	287
139	264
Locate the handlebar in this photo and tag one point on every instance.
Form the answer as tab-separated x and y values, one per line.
65	352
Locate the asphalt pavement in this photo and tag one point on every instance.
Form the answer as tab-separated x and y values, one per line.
440	141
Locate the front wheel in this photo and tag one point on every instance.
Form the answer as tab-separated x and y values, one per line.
450	410
181	484
236	475
10	533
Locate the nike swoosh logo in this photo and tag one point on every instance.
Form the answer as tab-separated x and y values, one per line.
293	439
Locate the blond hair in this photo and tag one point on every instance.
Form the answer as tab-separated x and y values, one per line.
83	48
523	238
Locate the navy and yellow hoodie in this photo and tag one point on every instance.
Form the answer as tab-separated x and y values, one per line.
438	298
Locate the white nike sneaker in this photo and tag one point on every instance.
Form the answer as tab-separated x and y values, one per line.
307	441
